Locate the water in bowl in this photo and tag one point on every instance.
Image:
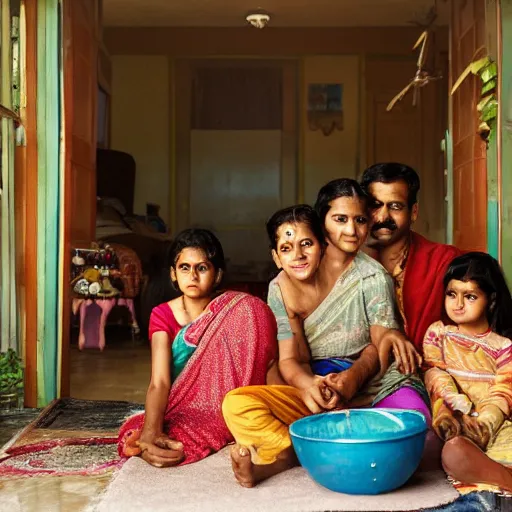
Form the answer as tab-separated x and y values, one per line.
360	425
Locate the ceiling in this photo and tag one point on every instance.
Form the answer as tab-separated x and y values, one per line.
284	13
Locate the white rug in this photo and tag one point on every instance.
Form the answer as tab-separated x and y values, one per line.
209	485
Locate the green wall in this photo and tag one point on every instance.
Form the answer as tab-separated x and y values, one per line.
493	227
506	133
48	138
492	197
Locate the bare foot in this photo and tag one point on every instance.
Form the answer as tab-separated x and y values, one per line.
242	465
249	474
131	444
466	462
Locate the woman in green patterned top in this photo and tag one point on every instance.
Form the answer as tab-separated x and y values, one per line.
331	302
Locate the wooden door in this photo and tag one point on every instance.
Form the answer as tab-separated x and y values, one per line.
469	151
80	73
236	147
409	134
81	32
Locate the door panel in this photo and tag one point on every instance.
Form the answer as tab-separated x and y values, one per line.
235	177
80	35
409	134
238	166
397	133
82	45
469	150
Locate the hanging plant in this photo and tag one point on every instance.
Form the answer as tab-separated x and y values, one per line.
487	107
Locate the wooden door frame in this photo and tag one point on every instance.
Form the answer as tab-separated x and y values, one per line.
67	159
26	218
105	84
65	234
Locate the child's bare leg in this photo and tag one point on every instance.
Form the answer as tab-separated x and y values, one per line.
465	462
249	474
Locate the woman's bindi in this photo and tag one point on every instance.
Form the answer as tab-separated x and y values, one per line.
289	234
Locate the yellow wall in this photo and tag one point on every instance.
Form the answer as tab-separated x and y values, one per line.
336	155
143	129
141	124
327	55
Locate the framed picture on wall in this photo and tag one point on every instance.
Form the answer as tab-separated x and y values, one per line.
325	107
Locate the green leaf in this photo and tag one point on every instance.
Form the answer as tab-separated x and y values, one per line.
474	67
490	112
489	86
489	72
483	102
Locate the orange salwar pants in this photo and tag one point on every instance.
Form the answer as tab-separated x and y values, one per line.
259	416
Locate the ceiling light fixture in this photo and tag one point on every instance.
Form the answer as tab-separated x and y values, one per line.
258	20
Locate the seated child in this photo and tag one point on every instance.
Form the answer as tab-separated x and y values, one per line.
203	344
469	379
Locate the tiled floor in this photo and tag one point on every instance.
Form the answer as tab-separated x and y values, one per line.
51	494
120	372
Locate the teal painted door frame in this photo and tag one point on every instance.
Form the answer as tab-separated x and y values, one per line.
506	137
48	143
493	223
492	20
447	147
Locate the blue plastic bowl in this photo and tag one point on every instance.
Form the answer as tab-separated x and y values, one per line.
360	451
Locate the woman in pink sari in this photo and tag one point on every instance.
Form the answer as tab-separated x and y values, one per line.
205	344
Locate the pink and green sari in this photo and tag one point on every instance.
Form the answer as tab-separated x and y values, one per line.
235	340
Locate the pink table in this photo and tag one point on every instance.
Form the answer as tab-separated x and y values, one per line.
93	318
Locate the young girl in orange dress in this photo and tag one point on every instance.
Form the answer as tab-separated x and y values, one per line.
470	373
203	345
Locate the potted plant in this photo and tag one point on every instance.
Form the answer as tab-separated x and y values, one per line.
11	379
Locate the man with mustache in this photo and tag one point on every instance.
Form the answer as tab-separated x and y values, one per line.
416	264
